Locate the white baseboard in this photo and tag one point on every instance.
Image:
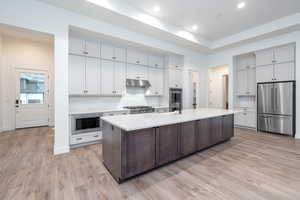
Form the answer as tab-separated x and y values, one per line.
61	150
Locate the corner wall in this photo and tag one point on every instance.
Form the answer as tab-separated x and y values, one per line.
226	57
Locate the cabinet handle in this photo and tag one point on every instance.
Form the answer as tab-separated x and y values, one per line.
78	138
96	136
138	62
156	65
85	52
114	58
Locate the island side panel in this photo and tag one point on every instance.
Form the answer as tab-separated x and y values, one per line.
111	149
138	152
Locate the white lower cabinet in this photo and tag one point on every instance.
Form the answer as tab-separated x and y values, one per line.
84	75
156	79
175	78
85	138
112	78
247	118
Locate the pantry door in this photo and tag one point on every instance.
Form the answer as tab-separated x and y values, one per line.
31	103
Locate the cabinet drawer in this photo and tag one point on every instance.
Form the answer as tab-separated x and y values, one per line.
85	138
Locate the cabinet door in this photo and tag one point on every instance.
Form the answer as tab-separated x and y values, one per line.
133	57
188	138
284	71
107	51
251	81
107	77
175	78
216	130
284	54
242	88
76	75
76	46
156	61
141	72
120	78
264	57
155	77
139	152
264	73
152	78
239	119
120	54
131	72
203	134
92	76
92	49
167	143
227	127
250	119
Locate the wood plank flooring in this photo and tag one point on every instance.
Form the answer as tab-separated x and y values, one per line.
251	166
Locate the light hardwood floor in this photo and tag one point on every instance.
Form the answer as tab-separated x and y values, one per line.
251	166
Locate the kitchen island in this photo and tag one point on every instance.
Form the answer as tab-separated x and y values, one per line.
134	144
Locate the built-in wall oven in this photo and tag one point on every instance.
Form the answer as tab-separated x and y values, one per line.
175	99
85	123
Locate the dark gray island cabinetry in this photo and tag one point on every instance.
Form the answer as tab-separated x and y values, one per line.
127	153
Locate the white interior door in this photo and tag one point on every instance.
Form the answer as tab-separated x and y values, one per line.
31	103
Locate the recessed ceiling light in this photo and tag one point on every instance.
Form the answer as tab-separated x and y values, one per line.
241	5
195	27
156	9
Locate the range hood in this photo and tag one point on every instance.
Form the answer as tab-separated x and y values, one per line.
136	83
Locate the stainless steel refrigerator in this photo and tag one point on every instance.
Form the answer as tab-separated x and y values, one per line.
276	107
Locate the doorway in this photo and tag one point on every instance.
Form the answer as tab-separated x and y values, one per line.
32	94
218	87
194	89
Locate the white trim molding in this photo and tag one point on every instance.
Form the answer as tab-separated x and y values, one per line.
61	150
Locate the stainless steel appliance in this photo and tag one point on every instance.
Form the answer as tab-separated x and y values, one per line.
276	107
139	109
137	83
175	99
85	123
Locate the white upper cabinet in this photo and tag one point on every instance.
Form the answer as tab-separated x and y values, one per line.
76	75
82	47
76	46
113	78
175	78
84	75
156	61
107	52
111	52
264	57
92	49
107	77
246	62
264	73
242	88
175	62
136	72
92	74
119	78
251	81
156	79
284	71
136	57
284	54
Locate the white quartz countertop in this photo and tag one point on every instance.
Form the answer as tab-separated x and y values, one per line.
91	111
149	120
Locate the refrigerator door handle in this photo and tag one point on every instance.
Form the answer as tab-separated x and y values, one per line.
272	98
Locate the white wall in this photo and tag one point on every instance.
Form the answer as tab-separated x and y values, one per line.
24	54
226	57
35	15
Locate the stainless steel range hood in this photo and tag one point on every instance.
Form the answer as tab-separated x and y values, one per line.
135	83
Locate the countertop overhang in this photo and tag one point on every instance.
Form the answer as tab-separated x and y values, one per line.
150	120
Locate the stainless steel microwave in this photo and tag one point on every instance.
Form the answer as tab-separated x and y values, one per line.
85	123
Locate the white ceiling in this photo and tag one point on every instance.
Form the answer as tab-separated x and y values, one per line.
218	18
